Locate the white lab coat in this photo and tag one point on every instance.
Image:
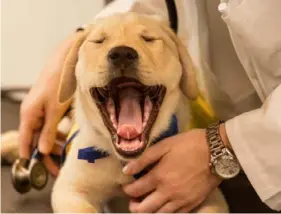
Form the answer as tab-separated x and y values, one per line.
243	83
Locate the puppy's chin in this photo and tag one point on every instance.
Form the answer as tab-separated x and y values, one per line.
126	158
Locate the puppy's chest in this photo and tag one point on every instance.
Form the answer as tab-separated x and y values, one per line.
101	171
109	170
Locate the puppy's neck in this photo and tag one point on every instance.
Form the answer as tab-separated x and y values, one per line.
93	132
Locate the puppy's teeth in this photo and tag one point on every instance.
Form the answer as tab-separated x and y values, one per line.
144	124
145	116
111	112
113	119
129	149
147	108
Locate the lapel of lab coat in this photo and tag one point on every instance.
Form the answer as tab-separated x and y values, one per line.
193	31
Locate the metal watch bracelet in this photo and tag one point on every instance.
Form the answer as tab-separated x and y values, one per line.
223	162
214	139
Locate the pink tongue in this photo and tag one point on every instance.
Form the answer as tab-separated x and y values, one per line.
130	115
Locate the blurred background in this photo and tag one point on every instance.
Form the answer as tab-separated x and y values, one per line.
30	32
32	29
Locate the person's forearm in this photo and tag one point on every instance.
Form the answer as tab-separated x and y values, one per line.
255	138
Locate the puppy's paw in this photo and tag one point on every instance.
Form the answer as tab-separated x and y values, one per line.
215	203
9	147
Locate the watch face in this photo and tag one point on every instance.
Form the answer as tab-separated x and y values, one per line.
39	176
227	167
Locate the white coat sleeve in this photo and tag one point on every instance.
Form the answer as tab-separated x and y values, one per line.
255	137
255	28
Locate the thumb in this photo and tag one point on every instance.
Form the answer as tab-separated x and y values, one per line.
150	156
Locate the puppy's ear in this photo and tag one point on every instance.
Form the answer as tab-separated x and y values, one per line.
68	79
188	82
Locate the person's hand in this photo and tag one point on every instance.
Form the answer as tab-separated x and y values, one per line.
181	178
41	111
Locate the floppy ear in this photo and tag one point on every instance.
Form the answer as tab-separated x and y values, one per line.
68	80
188	83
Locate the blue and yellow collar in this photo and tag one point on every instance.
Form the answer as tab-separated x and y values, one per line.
91	154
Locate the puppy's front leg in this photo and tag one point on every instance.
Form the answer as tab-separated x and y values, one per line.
83	186
72	194
215	203
76	188
71	201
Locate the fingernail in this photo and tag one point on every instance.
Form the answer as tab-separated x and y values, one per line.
127	169
44	148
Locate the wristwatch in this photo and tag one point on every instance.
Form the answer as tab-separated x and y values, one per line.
223	162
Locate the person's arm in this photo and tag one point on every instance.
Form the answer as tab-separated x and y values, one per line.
255	136
40	110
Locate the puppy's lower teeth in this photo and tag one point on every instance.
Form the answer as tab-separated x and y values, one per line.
144	125
130	145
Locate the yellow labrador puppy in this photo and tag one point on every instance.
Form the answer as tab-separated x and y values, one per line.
130	74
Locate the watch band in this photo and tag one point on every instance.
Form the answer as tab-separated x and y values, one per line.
214	140
223	162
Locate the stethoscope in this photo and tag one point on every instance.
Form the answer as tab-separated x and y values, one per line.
27	174
30	173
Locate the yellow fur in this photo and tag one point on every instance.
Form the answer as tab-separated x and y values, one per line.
82	186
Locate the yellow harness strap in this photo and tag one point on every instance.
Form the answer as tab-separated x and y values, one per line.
202	114
73	130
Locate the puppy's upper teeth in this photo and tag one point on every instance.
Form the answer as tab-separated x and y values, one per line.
111	111
147	109
144	125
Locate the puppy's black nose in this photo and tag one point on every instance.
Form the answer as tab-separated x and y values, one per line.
122	56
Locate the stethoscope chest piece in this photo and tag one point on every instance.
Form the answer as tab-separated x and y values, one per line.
29	174
20	176
38	175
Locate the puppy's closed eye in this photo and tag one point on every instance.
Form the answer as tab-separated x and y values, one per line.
98	41
148	38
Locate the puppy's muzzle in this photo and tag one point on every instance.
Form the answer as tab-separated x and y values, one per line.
122	57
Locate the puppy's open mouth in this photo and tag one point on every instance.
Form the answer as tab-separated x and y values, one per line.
129	110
